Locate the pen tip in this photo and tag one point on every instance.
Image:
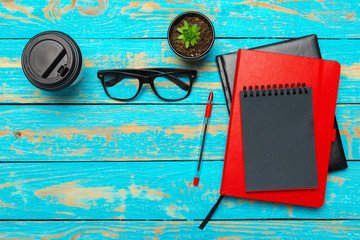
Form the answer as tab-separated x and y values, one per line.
196	181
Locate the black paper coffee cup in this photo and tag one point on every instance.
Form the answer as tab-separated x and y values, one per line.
52	61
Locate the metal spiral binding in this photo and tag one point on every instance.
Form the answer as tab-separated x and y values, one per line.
275	90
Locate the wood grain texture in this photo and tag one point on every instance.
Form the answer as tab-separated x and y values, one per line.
140	19
151	191
122	133
220	230
138	183
125	53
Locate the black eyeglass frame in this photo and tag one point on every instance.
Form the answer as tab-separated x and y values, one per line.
148	75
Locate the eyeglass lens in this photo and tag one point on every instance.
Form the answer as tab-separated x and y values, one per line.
121	87
172	87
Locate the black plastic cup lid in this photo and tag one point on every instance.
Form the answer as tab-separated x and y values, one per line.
51	60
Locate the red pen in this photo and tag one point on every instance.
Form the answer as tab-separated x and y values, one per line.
205	124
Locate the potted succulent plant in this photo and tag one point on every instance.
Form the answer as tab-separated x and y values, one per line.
191	35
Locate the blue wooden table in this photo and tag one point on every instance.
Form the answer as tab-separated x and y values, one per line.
75	164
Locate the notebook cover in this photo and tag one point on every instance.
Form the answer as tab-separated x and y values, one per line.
304	46
262	68
278	139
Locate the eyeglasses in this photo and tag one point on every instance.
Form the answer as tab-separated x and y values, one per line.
170	84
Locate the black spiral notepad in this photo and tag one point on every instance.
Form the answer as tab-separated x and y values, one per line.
278	138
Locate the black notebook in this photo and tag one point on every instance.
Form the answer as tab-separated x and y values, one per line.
278	139
305	46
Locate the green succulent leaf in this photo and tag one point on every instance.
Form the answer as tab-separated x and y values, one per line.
190	34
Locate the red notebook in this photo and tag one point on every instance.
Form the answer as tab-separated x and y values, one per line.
262	68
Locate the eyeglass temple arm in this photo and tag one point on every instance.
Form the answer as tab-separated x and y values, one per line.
183	85
112	82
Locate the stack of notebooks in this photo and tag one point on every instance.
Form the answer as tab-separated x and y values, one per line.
282	125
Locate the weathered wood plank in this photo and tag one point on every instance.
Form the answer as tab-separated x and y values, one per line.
129	19
181	230
121	133
125	53
98	133
150	191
